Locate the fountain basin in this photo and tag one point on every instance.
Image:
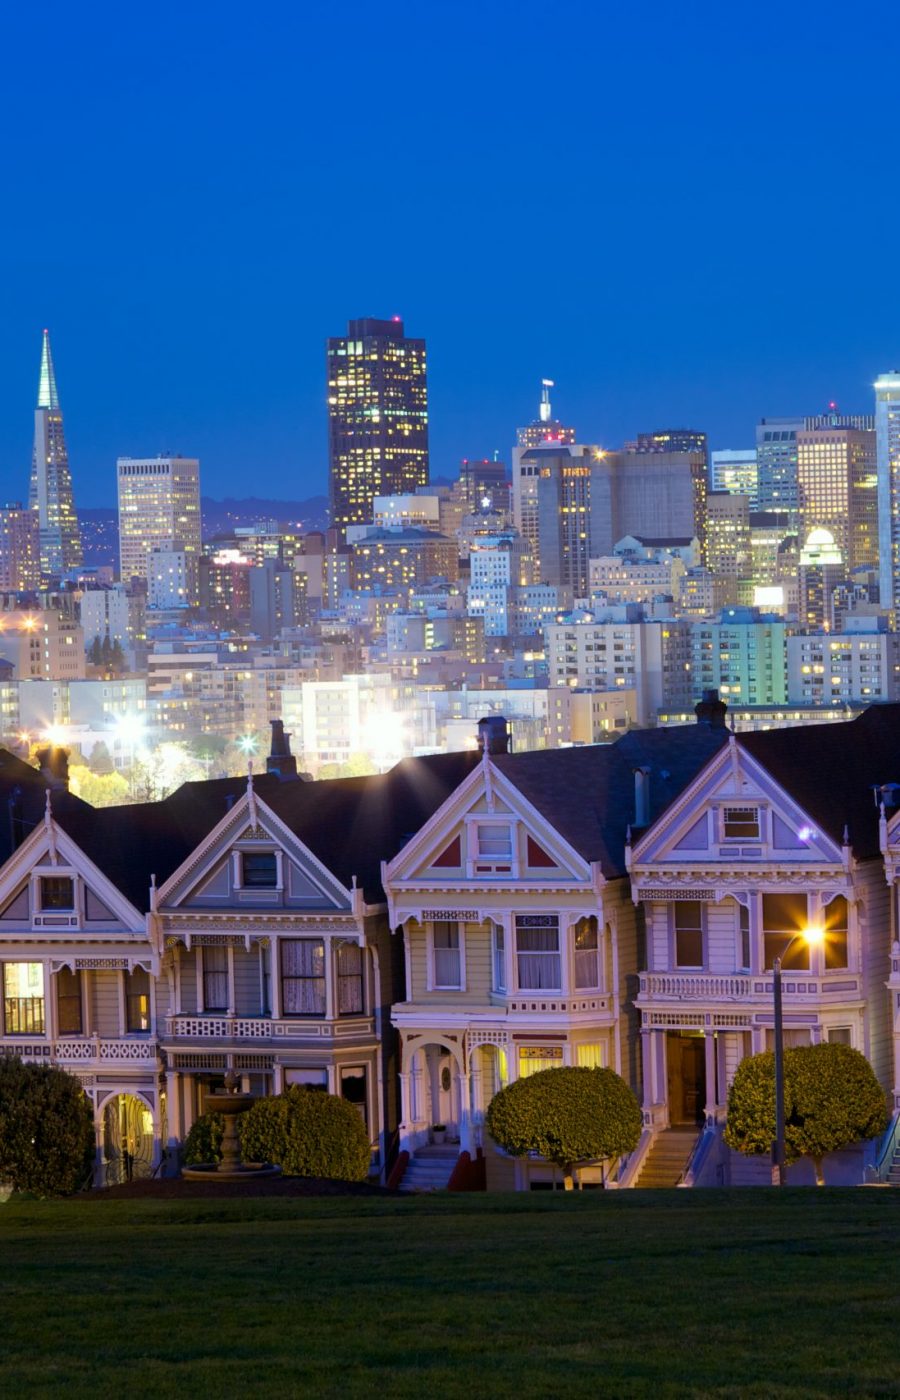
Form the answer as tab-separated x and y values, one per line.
231	1104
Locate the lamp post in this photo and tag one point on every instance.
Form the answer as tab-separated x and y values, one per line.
813	937
780	1169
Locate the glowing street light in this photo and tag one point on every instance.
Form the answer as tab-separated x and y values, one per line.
814	937
248	744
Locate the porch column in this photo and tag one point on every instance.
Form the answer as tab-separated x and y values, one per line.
99	1158
405	1113
278	1077
757	1040
647	1074
173	1108
476	1081
712	1097
466	1143
275	979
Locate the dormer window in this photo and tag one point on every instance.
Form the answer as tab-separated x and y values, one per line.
58	892
259	870
493	848
741	823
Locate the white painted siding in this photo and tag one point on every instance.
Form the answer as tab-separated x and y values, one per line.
723	936
104	995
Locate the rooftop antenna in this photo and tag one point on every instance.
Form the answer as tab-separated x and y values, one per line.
546	386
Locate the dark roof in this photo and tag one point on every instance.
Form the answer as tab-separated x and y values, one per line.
587	794
831	769
23	799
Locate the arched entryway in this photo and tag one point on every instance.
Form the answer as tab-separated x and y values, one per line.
127	1138
434	1092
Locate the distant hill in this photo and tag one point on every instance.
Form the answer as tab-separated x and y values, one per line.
100	524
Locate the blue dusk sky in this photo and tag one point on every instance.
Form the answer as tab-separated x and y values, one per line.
685	214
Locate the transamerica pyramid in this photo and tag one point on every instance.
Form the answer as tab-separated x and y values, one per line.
51	483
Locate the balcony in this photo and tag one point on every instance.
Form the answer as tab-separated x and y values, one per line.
250	1030
84	1052
798	987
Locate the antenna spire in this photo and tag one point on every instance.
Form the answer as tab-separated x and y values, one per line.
47	394
546	412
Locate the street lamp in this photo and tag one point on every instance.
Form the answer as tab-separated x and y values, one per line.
813	937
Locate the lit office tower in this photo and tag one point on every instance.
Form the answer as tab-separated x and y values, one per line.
734	469
776	464
728	552
377	418
543	432
20	549
51	483
159	509
887	433
837	478
674	440
575	507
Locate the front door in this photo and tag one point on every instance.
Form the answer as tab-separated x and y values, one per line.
686	1077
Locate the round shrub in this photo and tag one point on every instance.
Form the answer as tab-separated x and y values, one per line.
307	1133
46	1129
567	1115
204	1141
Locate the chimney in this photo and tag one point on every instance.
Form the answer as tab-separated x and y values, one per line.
710	710
493	734
280	760
54	765
642	796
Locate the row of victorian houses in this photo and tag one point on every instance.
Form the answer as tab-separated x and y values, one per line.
416	940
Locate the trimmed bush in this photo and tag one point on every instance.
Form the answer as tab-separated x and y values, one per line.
832	1099
567	1115
204	1141
307	1133
46	1129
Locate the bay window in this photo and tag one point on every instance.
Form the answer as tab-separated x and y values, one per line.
215	978
137	999
446	951
534	1058
303	976
587	959
23	998
538	963
835	919
68	1002
688	927
785	916
349	963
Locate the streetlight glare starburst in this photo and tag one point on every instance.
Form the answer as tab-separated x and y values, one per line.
248	744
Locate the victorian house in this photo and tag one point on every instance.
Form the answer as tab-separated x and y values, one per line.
773	851
520	937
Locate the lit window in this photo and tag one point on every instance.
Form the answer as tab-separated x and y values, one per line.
741	823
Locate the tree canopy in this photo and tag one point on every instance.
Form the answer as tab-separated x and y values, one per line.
566	1115
46	1129
831	1100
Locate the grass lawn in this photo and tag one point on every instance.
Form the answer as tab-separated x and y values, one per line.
659	1292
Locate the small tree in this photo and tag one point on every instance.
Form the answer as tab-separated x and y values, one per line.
567	1116
831	1100
204	1140
307	1133
46	1129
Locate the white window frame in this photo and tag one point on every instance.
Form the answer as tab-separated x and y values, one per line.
498	958
741	807
59	918
673	937
237	857
597	984
559	955
503	867
432	984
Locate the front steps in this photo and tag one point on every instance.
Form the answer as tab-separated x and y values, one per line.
667	1158
430	1168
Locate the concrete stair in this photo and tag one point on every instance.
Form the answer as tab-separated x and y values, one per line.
430	1168
893	1176
667	1157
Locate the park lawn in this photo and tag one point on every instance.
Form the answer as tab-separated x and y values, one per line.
721	1293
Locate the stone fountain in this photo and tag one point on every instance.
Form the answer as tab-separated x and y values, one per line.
231	1104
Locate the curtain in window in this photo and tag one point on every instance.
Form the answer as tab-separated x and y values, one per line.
137	1000
349	979
537	953
533	1059
303	977
589	1056
215	979
447	966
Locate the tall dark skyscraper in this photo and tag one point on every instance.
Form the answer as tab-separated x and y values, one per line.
377	418
51	482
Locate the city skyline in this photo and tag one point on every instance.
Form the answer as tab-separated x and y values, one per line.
190	313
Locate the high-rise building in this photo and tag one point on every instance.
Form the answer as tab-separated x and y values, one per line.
776	464
159	509
662	495
673	440
734	469
887	432
50	494
575	508
837	476
544	428
377	418
822	569
20	549
729	555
